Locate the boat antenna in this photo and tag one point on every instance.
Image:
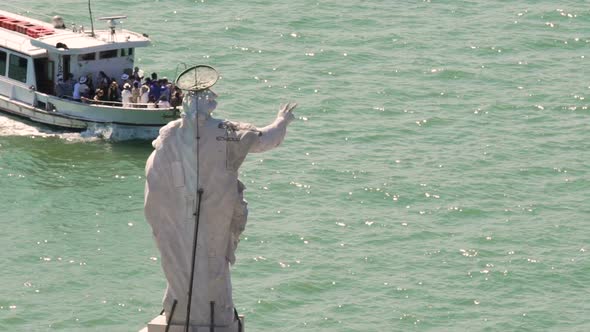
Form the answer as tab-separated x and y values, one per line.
91	20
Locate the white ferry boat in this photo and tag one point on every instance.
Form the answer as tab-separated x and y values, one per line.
33	54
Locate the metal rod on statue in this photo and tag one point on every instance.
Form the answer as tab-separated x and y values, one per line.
169	319
190	289
236	316
193	80
212	326
197	217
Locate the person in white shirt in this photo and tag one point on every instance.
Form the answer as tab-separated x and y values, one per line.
163	102
144	94
126	95
80	89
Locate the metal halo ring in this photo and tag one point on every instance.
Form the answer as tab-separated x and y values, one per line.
197	78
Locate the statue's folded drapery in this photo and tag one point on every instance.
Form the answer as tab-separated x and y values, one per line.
200	152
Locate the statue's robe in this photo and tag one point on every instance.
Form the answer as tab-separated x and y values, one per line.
186	158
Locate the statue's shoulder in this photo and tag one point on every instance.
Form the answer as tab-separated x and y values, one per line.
171	127
169	130
238	126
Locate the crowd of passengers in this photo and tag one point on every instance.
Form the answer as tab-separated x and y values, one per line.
129	91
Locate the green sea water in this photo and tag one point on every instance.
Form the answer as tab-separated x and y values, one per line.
436	179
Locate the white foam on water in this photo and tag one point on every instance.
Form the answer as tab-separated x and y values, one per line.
117	133
14	127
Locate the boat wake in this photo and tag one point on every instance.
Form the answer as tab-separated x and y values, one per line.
117	133
109	132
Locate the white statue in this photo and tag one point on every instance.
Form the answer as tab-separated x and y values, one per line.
196	158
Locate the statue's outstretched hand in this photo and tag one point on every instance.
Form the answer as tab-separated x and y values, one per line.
286	111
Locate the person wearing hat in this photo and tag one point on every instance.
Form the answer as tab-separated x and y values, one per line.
80	88
126	95
144	93
124	79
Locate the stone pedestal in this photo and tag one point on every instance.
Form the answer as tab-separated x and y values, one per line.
158	324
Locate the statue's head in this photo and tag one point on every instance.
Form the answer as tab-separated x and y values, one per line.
202	102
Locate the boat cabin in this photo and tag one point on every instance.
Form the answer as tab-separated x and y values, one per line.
33	53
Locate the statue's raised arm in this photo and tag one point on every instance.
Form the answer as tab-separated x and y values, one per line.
273	134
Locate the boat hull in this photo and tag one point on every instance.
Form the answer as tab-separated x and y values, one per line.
40	116
70	114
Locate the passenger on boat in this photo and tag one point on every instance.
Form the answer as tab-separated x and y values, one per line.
137	74
154	77
135	92
144	94
124	80
64	88
80	89
99	96
90	83
154	91
176	99
113	93
163	103
126	95
103	81
164	88
60	87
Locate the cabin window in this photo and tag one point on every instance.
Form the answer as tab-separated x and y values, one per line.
126	51
87	57
2	63
17	68
67	61
108	54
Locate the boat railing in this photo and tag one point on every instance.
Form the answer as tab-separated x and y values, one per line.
118	104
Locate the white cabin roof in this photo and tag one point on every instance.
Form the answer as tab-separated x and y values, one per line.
77	42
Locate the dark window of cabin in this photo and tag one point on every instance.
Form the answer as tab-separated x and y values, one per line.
108	54
87	57
2	63
123	52
130	51
17	68
66	65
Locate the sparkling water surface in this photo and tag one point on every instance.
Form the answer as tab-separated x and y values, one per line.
436	179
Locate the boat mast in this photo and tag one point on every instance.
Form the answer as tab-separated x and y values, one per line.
91	21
